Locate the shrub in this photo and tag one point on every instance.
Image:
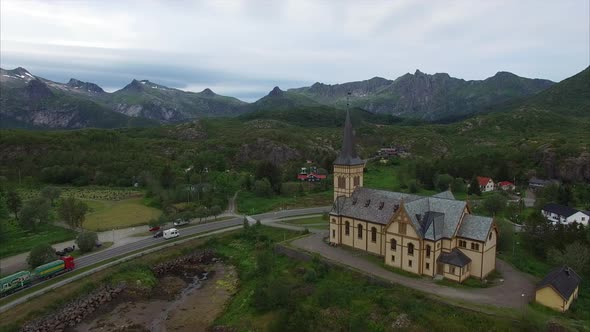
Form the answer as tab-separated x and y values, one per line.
41	254
86	241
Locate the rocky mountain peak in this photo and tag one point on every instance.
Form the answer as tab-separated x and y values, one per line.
84	86
37	90
276	92
208	92
135	86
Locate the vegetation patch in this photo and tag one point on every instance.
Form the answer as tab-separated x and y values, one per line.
250	203
18	240
119	214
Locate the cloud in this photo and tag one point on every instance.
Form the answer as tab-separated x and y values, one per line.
248	47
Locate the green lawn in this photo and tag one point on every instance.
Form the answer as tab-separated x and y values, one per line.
17	240
277	293
311	222
249	203
107	215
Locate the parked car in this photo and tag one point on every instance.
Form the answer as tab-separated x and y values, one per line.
159	233
171	233
180	222
154	228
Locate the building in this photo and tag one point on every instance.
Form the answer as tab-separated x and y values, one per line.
557	213
506	185
485	184
433	236
535	183
558	289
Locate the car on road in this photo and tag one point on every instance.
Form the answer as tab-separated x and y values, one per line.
159	233
171	233
154	228
180	222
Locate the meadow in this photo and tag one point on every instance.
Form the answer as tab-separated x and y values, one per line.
107	215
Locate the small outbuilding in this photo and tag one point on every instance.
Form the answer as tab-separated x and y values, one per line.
558	289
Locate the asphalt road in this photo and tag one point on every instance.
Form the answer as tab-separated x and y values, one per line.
265	218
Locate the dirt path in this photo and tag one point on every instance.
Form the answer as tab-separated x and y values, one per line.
515	291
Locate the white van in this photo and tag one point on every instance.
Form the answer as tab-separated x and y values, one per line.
171	233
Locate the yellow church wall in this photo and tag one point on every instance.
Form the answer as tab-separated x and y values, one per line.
410	263
476	260
491	239
359	242
429	263
389	253
489	261
375	247
348	173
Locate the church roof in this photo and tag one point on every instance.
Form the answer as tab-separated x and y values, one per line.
456	257
433	218
348	154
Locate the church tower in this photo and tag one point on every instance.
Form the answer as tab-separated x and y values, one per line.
348	167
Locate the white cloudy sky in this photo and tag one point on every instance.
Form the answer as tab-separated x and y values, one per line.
245	48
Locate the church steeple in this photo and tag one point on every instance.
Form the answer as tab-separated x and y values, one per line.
348	156
348	167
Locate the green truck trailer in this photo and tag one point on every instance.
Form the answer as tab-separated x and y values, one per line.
49	269
14	281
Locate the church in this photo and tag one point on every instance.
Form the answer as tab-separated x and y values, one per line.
436	236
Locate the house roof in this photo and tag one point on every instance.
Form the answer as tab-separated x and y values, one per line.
312	174
505	183
563	279
444	222
564	211
483	180
456	257
445	194
540	182
475	227
348	154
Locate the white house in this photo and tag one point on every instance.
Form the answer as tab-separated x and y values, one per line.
506	185
485	184
564	214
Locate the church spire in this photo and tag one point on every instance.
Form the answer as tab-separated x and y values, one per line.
348	154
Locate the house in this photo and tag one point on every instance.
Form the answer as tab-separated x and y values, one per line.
558	289
432	236
310	174
506	185
485	184
557	213
387	152
535	183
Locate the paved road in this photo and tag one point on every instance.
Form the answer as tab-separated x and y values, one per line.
515	292
265	218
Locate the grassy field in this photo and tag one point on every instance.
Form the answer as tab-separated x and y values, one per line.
311	222
107	215
87	193
249	203
17	240
281	294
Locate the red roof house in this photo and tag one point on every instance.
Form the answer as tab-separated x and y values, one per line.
485	183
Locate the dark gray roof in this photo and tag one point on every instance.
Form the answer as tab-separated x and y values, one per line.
475	227
563	279
348	154
433	218
451	211
445	194
564	211
456	257
356	205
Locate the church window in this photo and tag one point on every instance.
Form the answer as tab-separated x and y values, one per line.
393	244
411	249
341	182
392	258
333	233
357	181
452	270
360	231
402	228
474	246
462	244
373	234
367	203
428	251
410	263
428	266
490	237
347	228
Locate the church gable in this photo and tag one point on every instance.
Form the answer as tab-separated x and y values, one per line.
400	223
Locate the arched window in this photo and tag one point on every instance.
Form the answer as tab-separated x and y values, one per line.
360	231
341	182
411	249
393	244
374	234
428	251
347	228
357	181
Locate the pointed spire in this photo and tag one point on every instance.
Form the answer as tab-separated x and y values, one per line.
348	154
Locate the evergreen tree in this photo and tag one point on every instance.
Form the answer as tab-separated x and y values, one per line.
474	188
14	203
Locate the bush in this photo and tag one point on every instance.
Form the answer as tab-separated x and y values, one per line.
41	254
86	241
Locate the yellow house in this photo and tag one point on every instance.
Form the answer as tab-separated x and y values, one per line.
433	236
558	289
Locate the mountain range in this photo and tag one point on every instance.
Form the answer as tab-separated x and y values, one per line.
30	101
